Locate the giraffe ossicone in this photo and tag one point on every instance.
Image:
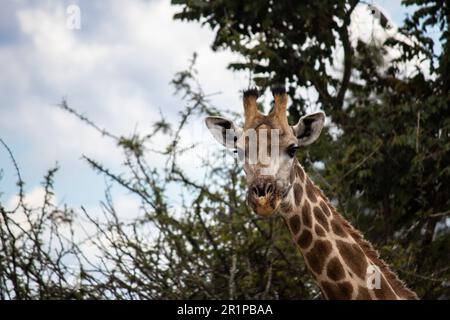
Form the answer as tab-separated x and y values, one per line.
343	263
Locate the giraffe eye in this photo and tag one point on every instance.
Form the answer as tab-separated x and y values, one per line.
292	149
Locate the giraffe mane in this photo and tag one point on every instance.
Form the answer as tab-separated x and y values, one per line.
397	285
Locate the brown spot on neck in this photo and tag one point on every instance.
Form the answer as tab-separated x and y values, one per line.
337	229
363	294
337	291
321	218
294	223
300	173
335	271
319	231
310	191
298	193
306	215
305	239
292	175
325	208
317	255
353	257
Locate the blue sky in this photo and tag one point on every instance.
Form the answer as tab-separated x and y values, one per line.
116	69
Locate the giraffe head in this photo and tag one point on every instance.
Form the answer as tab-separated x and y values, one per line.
267	145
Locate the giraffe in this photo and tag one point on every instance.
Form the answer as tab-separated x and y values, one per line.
342	262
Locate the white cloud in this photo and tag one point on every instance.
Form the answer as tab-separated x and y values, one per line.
32	200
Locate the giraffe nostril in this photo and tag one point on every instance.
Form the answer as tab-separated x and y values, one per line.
259	190
262	190
269	188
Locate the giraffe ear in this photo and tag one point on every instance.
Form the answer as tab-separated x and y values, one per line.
308	128
224	131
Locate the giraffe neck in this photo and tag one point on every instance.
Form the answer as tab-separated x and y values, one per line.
344	265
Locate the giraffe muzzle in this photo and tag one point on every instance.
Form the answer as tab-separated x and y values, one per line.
263	198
